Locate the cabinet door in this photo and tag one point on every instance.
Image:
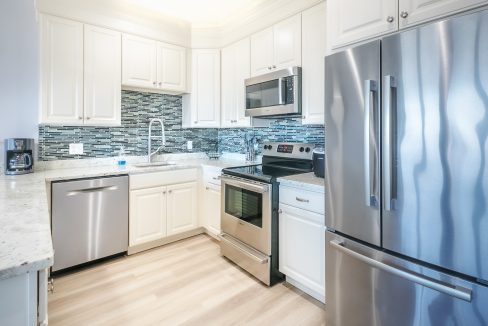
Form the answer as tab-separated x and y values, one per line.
61	70
147	216
262	52
182	207
102	76
211	208
236	65
139	62
171	67
205	103
416	11
351	21
314	49
287	43
302	247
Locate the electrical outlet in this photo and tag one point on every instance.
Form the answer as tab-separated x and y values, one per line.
189	145
76	149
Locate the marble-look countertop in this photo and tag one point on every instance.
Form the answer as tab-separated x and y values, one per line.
25	233
306	181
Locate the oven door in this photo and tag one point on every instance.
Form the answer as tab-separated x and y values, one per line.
246	212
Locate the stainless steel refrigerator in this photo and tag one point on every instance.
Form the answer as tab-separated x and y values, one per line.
406	125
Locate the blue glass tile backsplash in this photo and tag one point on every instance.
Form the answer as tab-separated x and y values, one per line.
138	108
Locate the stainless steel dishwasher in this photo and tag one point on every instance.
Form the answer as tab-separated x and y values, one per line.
89	220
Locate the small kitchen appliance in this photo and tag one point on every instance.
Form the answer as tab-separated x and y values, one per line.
318	158
249	208
19	156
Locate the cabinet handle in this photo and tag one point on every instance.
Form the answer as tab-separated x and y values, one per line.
390	19
216	178
50	285
302	200
303	117
80	118
170	191
164	192
404	14
195	122
280	211
274	66
160	84
87	118
207	188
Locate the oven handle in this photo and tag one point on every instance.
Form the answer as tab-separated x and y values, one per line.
259	260
249	185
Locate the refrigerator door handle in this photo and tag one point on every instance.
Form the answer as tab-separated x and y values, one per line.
370	93
389	84
454	291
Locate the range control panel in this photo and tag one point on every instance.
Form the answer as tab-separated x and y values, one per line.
292	150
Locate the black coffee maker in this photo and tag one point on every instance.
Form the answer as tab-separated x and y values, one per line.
19	157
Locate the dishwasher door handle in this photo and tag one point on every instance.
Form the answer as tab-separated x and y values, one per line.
90	190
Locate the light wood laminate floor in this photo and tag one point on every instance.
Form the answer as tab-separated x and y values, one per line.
183	283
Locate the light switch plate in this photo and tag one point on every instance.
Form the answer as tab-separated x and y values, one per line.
189	145
76	149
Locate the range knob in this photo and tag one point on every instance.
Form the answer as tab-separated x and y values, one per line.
270	147
302	149
307	150
265	146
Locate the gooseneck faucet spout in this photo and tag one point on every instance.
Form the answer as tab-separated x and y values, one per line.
150	137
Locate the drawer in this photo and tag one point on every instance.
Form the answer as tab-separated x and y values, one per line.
162	178
211	175
304	199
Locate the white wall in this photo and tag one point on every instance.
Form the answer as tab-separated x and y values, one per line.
19	69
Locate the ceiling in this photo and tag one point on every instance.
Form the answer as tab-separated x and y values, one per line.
204	13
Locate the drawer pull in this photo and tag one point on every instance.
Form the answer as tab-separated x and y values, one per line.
302	200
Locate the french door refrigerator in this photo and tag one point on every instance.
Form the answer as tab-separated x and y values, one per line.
406	125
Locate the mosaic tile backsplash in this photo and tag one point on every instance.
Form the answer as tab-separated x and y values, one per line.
138	108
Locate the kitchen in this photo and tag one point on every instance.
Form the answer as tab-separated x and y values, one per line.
251	162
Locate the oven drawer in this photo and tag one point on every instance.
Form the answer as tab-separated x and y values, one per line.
246	257
309	200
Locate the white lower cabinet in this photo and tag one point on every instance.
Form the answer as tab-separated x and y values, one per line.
162	204
182	207
211	208
302	248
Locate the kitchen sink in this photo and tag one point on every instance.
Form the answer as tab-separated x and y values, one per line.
153	164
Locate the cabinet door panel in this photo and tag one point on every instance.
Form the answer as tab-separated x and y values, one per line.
350	21
102	82
182	207
287	40
147	216
418	11
139	62
212	208
262	52
302	248
62	70
228	101
314	47
171	67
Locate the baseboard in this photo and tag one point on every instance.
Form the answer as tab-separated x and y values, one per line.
213	235
307	290
161	242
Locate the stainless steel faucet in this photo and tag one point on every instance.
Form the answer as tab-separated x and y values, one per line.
150	137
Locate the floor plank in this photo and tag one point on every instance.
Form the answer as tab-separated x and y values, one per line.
183	283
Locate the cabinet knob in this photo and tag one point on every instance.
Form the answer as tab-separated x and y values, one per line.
280	211
207	188
80	118
170	191
195	122
404	14
160	84
155	83
274	66
303	117
164	192
390	19
88	118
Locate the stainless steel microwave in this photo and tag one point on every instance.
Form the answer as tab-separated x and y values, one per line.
278	93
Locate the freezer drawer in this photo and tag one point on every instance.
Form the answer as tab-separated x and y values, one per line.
89	219
370	287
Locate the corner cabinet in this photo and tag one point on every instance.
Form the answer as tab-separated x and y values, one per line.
236	68
277	47
80	73
201	108
153	65
314	48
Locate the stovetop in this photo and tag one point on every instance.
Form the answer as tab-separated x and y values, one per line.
260	172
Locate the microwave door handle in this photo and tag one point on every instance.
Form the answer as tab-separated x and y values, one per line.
281	93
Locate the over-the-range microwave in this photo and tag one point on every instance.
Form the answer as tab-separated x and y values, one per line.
278	93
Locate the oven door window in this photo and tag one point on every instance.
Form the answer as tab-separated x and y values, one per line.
244	204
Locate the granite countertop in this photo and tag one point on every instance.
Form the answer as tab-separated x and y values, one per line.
25	233
307	181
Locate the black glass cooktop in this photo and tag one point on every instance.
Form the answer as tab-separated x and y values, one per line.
261	172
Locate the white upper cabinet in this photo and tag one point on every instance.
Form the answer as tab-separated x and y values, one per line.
352	20
61	70
236	67
153	65
171	67
314	47
277	47
201	108
139	62
287	43
416	11
102	76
